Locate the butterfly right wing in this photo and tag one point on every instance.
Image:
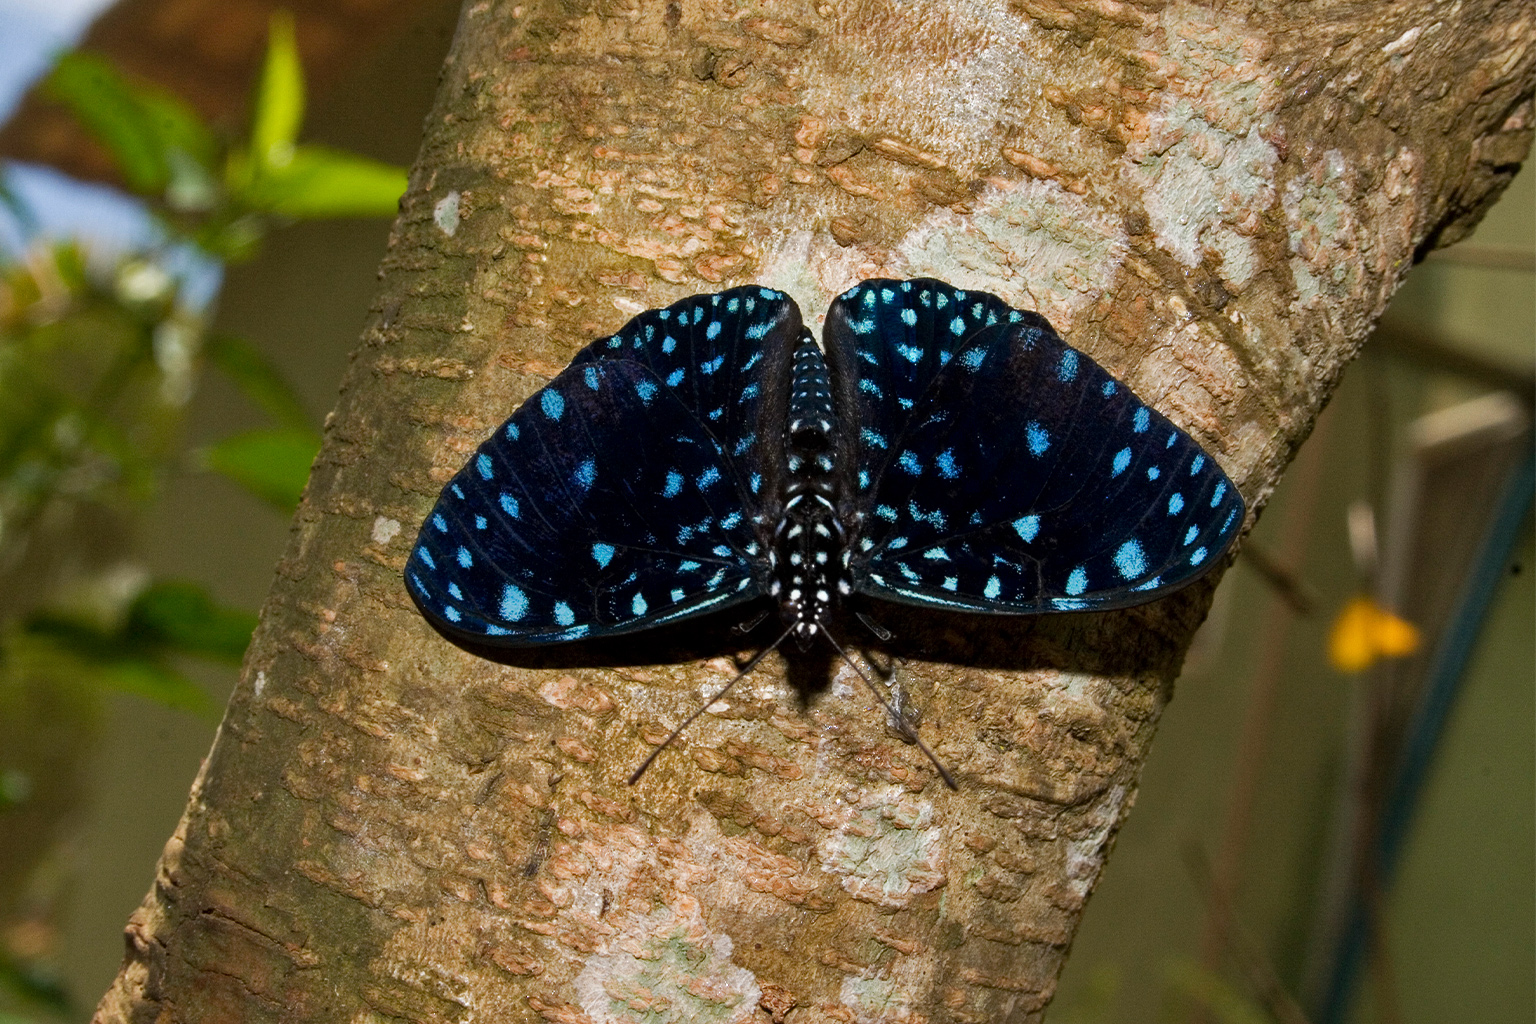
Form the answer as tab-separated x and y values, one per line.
1000	470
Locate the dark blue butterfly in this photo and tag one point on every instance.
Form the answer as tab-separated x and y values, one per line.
948	451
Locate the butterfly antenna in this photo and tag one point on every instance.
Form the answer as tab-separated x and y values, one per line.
899	719
759	656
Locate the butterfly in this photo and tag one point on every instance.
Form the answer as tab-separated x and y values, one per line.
939	448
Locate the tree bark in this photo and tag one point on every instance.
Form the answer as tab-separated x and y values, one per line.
1214	203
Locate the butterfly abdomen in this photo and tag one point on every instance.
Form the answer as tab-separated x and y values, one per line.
808	553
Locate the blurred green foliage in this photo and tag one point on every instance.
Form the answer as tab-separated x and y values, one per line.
34	989
99	357
224	195
272	464
1189	992
1194	991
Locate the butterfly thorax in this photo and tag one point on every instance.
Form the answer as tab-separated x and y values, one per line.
808	546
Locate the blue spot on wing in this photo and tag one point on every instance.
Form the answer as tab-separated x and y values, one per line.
514	603
1130	560
1039	438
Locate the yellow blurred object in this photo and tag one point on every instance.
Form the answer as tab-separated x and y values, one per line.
1365	632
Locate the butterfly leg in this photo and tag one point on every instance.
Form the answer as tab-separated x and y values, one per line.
881	633
898	719
908	715
759	656
747	626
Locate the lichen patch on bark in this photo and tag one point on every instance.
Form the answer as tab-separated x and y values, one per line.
1339	243
1036	244
1205	189
887	850
667	965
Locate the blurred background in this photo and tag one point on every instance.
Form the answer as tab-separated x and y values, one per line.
1338	819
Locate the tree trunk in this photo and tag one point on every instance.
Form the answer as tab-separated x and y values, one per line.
1215	203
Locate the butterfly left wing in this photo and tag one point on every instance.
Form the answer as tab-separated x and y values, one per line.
601	507
626	494
993	468
726	357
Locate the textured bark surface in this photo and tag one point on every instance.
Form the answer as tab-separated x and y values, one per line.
1215	204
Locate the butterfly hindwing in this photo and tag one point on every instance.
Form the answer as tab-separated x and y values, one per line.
612	500
996	469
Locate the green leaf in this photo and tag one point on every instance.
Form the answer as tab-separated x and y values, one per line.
75	636
123	660
279	108
103	102
181	617
271	464
137	123
176	127
233	241
32	985
324	182
69	262
151	680
248	368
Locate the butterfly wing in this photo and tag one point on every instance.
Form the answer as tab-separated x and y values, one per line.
613	500
993	468
726	357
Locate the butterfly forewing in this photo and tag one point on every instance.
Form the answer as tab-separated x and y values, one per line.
726	357
628	493
997	469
